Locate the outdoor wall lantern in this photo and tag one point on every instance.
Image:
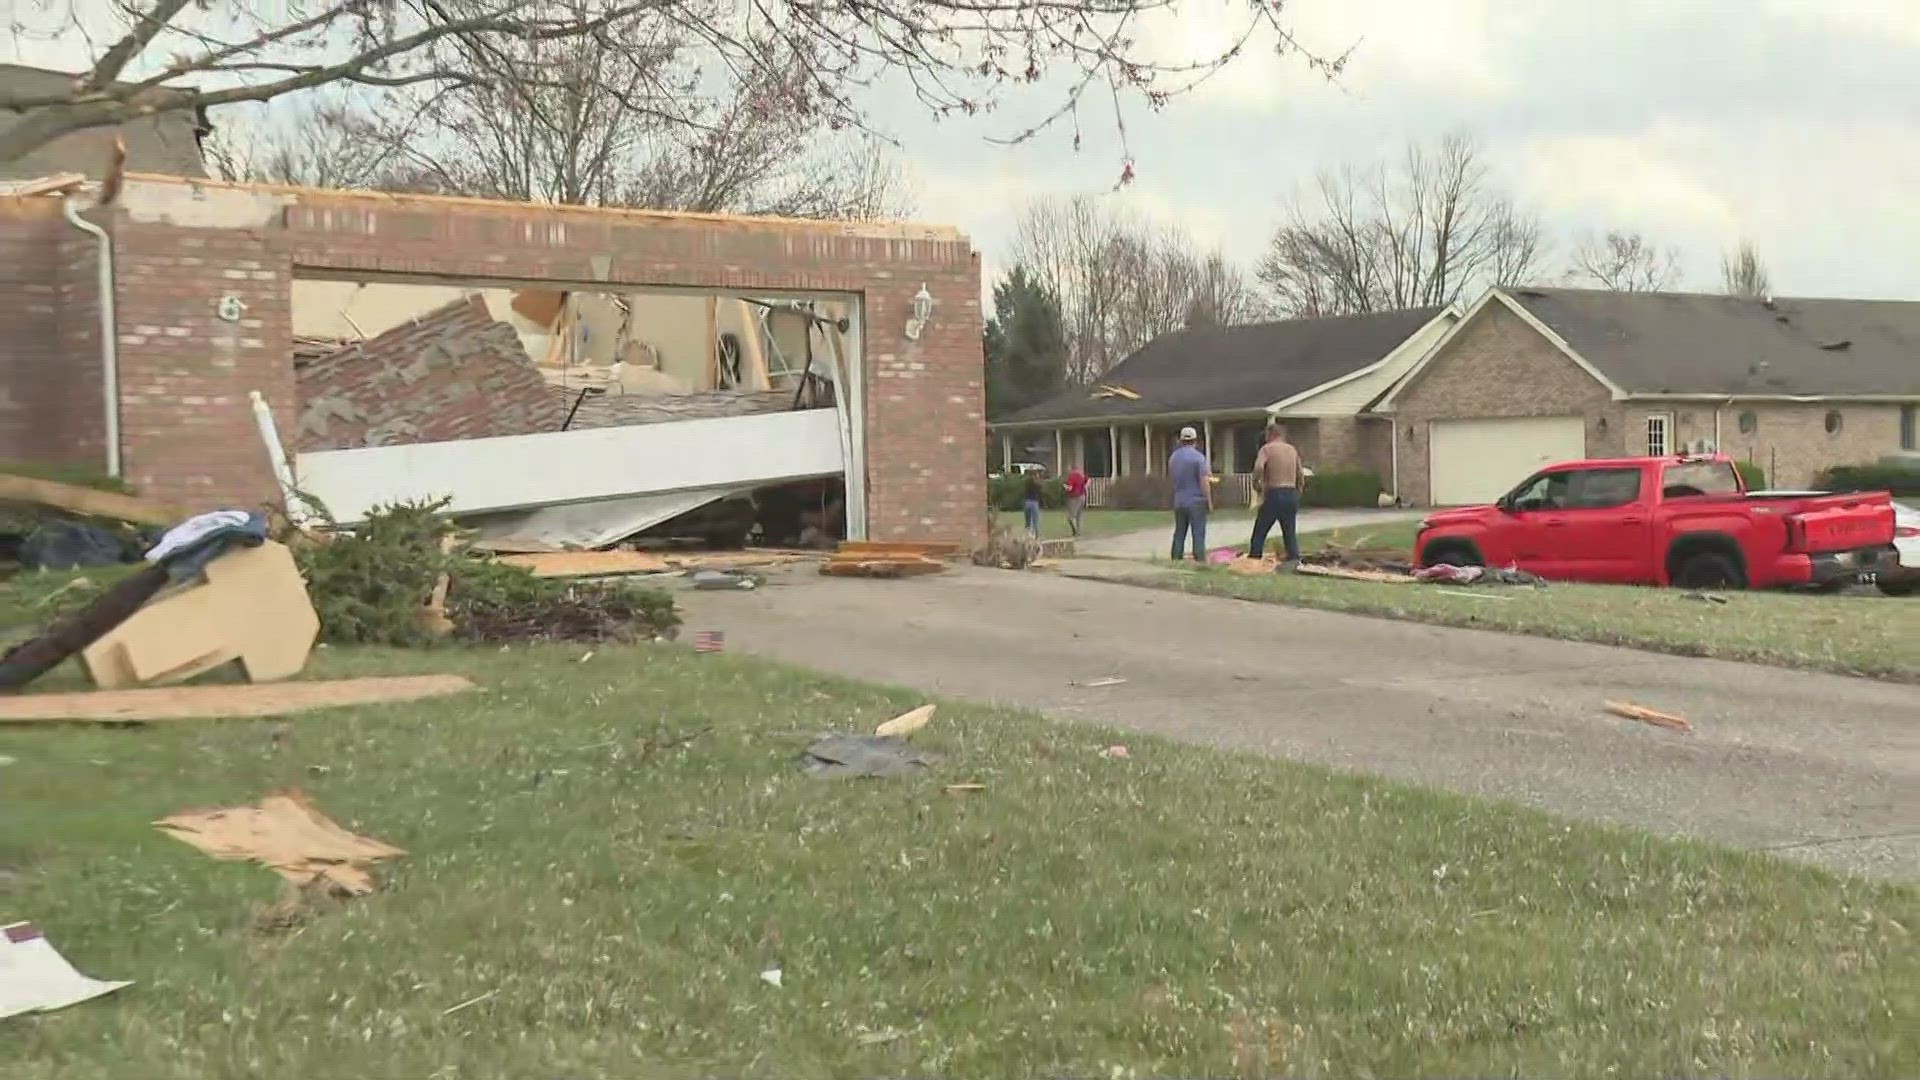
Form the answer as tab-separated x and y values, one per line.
922	311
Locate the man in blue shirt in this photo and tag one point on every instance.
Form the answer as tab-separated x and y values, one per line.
1192	495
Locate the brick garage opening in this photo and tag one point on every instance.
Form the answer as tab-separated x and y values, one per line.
204	274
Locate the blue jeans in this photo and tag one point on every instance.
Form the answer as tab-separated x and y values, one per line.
1194	518
1033	517
1280	506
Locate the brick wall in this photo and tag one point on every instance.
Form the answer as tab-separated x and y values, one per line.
1790	440
188	432
1496	368
30	350
453	373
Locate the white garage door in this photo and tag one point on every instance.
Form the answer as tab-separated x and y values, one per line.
1477	461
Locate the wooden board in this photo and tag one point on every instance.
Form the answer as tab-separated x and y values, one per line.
929	549
216	702
590	563
540	306
1645	715
253	608
881	567
87	501
1355	575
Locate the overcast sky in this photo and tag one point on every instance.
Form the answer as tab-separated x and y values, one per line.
1794	123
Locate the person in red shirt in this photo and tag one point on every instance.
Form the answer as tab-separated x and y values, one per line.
1076	498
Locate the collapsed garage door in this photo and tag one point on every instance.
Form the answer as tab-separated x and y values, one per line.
1477	461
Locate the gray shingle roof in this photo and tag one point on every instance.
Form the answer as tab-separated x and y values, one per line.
1221	368
1682	343
167	142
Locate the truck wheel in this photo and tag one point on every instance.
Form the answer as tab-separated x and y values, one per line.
1896	588
1452	553
1709	570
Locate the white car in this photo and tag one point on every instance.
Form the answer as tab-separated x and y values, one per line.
1906	539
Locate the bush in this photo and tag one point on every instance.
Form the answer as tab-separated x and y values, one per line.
1895	478
1751	475
1010	493
1358	487
369	586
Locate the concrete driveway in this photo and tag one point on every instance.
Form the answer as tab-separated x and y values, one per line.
1232	527
1816	767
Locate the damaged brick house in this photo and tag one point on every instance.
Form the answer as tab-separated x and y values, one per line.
465	394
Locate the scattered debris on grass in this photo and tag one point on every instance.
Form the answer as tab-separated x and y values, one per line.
221	702
771	976
1006	548
964	789
1386	577
1095	684
709	641
839	756
1473	596
35	978
469	1003
289	836
906	723
1704	597
1116	752
1449	574
1648	716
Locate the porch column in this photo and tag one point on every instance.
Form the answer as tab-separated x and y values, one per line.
1206	432
1059	453
1146	443
1113	450
1006	452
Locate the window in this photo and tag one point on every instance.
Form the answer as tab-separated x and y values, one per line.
1909	422
1600	489
1659	428
1833	421
1696	478
1749	423
1545	492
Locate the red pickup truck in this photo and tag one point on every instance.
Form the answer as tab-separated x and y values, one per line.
1685	521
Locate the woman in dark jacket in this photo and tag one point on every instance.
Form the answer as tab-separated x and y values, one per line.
1033	503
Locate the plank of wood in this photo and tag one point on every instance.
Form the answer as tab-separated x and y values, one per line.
87	502
907	722
725	560
881	568
216	702
590	563
1354	575
1648	716
713	344
49	185
929	549
540	306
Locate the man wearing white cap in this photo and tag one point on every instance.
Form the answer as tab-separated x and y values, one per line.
1192	495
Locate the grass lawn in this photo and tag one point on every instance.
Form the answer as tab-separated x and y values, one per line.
1053	523
1179	913
1854	635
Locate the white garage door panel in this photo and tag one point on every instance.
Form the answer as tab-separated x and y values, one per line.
1477	461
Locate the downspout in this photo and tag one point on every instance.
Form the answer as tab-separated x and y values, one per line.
109	337
1393	454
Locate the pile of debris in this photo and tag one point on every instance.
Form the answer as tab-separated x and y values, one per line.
888	559
229	589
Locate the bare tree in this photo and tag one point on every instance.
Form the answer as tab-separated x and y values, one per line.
961	57
1625	262
1743	274
1122	280
1420	233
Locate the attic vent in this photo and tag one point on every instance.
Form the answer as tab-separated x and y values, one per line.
1532	294
1836	346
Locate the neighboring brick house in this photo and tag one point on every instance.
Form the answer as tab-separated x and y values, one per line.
201	284
1529	376
1315	376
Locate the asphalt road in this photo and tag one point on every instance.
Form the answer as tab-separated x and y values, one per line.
1810	766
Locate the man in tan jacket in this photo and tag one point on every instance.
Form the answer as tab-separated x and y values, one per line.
1280	476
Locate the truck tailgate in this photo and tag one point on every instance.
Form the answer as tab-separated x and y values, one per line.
1841	523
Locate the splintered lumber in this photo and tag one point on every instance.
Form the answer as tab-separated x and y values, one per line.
1354	575
906	723
87	501
1648	716
290	836
892	566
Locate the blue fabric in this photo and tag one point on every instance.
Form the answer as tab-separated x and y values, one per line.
1190	518
1033	516
1281	506
187	563
1188	467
